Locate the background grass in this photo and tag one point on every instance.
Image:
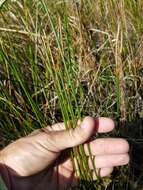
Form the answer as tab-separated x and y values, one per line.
60	60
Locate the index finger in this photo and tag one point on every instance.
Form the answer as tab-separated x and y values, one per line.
104	124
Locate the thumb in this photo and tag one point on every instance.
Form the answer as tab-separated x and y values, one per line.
73	137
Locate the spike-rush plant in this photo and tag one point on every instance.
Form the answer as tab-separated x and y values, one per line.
66	86
62	60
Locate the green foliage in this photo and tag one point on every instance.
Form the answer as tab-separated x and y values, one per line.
62	60
2	185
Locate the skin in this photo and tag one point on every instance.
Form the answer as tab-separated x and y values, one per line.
43	154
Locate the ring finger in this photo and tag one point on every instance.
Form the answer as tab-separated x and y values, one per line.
102	172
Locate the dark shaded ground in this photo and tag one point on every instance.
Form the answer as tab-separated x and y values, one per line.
133	177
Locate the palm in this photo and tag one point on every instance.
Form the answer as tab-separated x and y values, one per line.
35	157
59	176
62	176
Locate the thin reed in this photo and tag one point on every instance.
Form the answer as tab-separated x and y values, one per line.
63	60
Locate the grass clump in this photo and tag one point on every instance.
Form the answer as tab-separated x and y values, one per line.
63	60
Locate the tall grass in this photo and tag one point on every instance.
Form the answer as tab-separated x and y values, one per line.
63	60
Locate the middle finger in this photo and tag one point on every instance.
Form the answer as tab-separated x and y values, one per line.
105	161
103	146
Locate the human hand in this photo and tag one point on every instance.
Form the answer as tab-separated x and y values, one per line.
38	157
